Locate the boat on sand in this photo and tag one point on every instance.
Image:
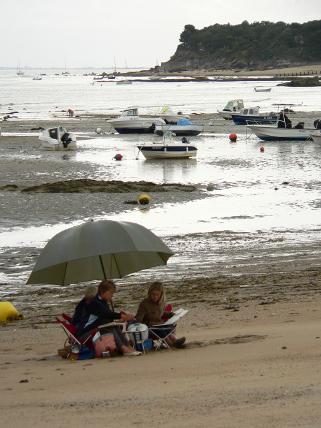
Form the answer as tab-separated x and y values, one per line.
131	123
168	149
57	139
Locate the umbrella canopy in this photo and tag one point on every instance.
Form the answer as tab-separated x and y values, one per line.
98	250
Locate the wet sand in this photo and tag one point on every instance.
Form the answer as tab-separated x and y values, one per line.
255	364
253	328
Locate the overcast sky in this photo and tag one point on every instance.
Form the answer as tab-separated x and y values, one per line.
82	33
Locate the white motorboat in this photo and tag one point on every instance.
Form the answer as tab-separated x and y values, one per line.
183	127
233	106
274	133
262	89
57	139
131	123
168	149
282	130
37	78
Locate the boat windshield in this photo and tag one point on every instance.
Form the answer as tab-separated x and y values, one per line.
250	111
130	112
234	105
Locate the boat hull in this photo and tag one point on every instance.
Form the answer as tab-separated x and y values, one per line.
179	131
58	146
262	90
166	152
225	114
240	119
272	133
135	126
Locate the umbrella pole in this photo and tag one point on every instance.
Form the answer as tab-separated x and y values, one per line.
102	267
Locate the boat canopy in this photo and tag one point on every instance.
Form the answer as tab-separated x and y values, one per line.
234	105
184	122
130	112
250	111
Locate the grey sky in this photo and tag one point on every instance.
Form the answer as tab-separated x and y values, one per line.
92	32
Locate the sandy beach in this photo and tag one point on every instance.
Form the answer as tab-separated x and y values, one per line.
255	362
253	352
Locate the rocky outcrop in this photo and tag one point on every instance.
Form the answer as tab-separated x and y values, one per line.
97	186
260	45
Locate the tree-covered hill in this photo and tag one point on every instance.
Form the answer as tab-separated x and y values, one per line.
247	46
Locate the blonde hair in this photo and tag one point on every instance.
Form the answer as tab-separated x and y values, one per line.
158	286
90	292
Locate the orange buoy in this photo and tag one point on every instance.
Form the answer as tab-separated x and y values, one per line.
262	149
118	157
233	138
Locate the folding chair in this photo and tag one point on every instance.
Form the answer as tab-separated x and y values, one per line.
160	334
71	331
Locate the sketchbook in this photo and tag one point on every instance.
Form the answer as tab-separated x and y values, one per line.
180	313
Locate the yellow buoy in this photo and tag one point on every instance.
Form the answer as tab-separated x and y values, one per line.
8	312
144	199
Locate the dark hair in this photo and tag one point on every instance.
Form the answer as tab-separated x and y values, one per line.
106	286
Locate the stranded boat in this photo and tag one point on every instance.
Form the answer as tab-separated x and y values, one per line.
131	123
252	115
233	106
57	139
167	149
183	127
262	89
283	129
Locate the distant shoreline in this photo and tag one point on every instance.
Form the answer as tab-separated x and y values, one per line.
283	73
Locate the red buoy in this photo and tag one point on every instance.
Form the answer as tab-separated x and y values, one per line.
118	157
262	149
233	138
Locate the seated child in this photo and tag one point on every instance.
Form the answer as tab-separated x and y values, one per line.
151	311
82	307
100	311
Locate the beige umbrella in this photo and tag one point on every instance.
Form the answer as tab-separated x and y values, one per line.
98	250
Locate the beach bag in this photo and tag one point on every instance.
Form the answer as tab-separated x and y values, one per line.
104	343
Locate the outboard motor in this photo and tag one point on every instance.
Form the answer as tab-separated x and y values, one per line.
317	124
299	125
66	139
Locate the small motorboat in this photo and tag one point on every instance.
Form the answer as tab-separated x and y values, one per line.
168	149
262	89
183	128
283	130
57	139
252	115
273	133
131	123
37	78
233	106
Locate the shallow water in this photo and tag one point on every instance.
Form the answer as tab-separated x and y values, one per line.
247	211
243	185
48	97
